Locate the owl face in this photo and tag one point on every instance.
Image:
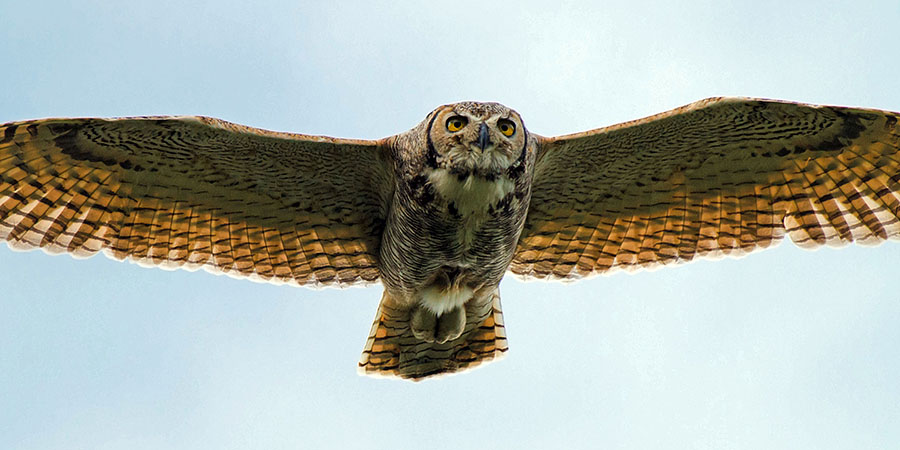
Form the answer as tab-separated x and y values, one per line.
476	138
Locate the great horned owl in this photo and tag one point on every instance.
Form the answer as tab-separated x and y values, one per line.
441	212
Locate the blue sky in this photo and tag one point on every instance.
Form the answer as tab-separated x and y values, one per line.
781	349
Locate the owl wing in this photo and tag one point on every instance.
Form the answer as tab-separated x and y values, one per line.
196	192
722	176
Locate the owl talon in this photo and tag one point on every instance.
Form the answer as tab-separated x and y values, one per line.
450	325
423	323
429	327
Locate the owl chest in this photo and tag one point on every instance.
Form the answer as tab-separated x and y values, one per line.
437	222
471	217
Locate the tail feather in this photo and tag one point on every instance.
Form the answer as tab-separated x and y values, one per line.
392	351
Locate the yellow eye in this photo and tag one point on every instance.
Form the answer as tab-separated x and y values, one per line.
456	123
507	127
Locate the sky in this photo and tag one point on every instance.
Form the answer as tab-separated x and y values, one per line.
781	349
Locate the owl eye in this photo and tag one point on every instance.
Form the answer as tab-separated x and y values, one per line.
456	123
507	127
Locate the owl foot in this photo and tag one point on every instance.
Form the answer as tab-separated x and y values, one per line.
429	327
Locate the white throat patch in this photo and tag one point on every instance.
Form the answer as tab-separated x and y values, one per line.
471	195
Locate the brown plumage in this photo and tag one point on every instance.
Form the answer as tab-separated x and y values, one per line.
719	176
440	213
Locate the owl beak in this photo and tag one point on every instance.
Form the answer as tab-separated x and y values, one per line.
484	139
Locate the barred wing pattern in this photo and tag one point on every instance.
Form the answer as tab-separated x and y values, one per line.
196	192
721	176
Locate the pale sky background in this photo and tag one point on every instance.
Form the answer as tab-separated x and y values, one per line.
783	349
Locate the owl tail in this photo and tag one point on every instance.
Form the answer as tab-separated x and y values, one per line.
392	350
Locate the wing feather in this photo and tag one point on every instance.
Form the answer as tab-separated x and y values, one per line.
196	192
722	176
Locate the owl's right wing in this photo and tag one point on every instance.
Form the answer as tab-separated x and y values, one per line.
719	176
196	192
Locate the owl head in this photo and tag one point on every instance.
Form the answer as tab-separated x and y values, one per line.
475	138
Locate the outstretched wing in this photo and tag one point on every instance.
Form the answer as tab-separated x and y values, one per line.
719	176
196	192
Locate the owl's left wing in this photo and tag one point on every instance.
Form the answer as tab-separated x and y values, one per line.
196	192
719	176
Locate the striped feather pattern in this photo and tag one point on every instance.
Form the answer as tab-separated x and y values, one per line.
392	351
196	192
716	177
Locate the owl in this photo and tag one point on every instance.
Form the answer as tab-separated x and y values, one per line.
441	213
